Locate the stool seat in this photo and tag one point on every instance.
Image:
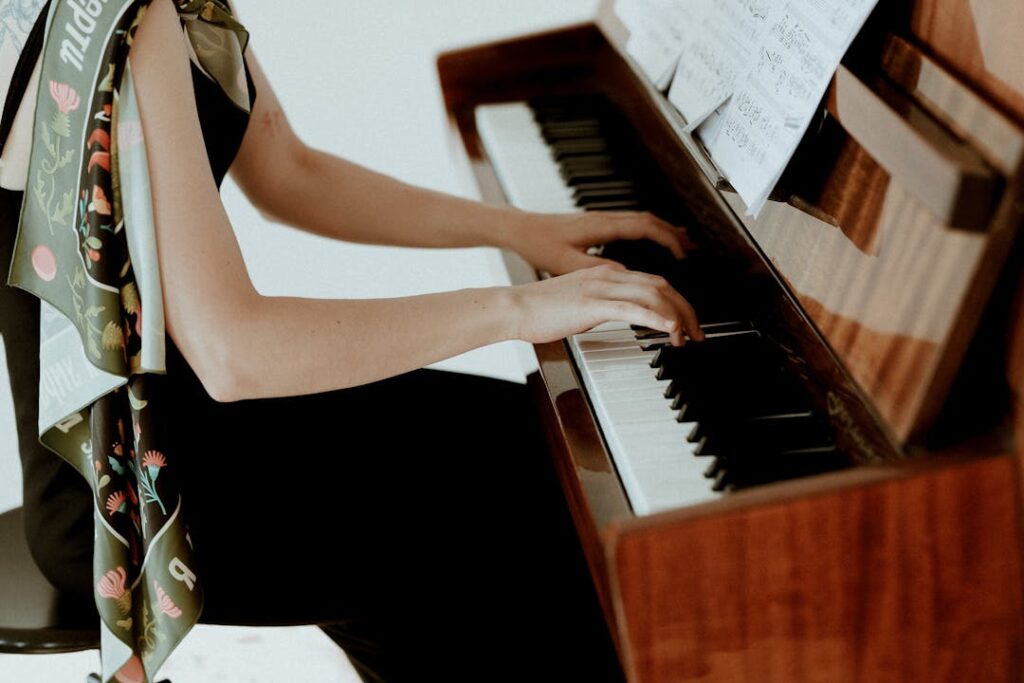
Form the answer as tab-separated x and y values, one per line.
35	618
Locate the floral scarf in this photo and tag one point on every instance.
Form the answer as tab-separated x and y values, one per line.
86	248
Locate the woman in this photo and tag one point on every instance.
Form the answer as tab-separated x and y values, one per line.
413	511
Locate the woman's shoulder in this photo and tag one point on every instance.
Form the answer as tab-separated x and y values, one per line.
17	18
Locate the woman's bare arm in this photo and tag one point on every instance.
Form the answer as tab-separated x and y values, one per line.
292	183
245	345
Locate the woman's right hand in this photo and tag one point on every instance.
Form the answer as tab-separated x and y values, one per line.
552	309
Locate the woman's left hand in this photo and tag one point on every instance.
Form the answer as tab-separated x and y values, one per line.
558	243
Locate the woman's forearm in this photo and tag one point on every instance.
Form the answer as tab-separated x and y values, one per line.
337	198
286	346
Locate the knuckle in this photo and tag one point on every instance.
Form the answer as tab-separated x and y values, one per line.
660	284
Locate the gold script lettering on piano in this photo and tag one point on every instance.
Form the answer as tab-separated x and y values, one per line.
828	488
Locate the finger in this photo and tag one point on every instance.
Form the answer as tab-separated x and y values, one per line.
686	311
666	235
648	226
689	317
633	314
644	294
678	232
684	238
687	314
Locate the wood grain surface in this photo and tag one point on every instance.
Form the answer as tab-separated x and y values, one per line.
916	579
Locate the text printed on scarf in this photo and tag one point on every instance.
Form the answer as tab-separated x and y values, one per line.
80	30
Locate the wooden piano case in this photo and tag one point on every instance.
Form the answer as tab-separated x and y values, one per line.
906	567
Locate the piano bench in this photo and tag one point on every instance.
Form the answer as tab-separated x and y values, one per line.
35	618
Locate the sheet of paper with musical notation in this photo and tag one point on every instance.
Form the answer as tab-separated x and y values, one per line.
657	30
755	133
723	38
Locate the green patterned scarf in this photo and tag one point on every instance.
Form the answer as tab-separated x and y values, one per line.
86	248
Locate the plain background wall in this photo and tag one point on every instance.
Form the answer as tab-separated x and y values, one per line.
358	79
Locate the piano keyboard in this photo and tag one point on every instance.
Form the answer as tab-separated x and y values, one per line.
683	425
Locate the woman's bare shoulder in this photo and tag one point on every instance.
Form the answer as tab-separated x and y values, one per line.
16	21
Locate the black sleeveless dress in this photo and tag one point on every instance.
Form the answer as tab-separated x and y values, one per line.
417	520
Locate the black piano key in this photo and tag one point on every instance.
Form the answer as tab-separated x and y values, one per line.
570	131
577	147
670	389
722	481
696	433
572	164
686	412
713	468
578	177
606	185
596	203
581	196
614	206
642	332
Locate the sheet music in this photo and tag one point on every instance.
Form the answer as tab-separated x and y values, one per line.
657	30
723	40
760	126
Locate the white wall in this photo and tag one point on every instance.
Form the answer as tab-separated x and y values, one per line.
10	467
357	79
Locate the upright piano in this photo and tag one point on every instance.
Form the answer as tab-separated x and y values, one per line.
828	488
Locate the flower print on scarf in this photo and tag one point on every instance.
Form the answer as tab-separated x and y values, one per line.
51	135
165	603
65	96
113	586
115	503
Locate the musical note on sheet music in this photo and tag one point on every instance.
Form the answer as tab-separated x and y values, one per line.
657	30
761	125
722	41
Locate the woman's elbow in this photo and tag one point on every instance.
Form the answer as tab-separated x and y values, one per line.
221	385
270	184
216	357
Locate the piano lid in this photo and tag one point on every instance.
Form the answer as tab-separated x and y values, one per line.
893	222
